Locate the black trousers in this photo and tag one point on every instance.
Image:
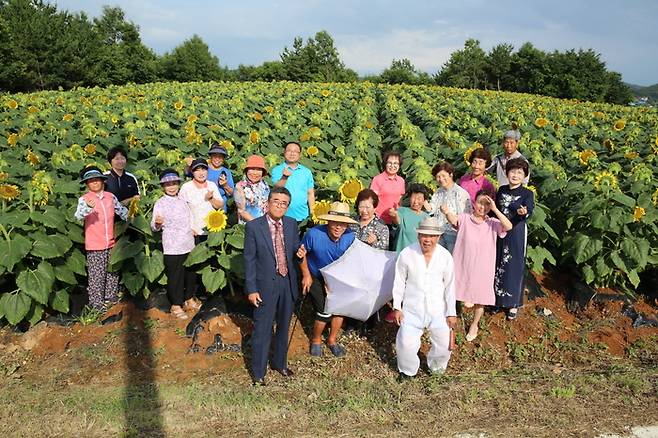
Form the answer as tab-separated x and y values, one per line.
276	307
181	281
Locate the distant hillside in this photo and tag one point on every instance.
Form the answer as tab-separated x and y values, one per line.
639	91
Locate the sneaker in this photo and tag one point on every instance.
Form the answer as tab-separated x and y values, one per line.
512	314
337	350
316	350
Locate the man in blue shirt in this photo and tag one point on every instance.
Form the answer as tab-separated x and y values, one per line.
322	245
298	179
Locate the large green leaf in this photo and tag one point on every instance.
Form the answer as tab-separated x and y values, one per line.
133	282
34	314
636	249
586	247
215	239
14	250
633	278
213	279
65	274
76	262
538	255
199	254
623	199
60	301
15	306
125	249
236	240
150	266
37	283
48	247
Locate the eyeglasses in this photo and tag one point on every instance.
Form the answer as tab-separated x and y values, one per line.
278	203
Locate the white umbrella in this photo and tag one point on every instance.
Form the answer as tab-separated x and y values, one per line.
360	282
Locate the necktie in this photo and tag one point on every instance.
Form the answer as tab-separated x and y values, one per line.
281	264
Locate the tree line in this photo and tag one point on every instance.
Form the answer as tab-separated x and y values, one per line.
42	48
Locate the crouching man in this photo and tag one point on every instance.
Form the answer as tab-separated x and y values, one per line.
424	298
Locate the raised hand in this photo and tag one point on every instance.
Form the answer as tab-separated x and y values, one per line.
301	252
209	195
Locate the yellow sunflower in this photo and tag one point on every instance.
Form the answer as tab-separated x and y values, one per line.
3	176
312	151
269	109
227	144
598	114
133	208
606	179
216	221
369	125
585	156
304	137
315	132
32	158
619	125
609	144
512	109
159	105
470	150
638	214
59	101
67	117
11	103
541	122
320	208
350	189
254	137
257	116
533	189
631	155
573	122
192	118
179	105
325	93
90	149
33	110
9	192
142	114
12	139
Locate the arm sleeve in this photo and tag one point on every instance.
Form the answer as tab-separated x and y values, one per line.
466	202
374	185
310	184
277	172
530	203
382	239
83	210
156	211
400	282
136	184
229	178
249	254
449	283
120	209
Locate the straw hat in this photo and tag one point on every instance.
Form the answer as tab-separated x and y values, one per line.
338	212
430	227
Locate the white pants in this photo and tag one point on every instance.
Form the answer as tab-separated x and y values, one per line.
407	343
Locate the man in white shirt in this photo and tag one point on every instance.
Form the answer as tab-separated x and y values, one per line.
424	298
511	147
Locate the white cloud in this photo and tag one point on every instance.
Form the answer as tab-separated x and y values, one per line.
427	50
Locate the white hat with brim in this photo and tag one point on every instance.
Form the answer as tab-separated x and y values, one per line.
338	212
430	227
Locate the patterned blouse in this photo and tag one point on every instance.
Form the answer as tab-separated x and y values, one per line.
251	197
177	236
458	201
375	226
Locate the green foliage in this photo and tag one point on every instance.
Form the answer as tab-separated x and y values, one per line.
402	71
191	61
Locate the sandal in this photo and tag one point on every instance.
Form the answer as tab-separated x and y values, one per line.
511	314
180	314
193	306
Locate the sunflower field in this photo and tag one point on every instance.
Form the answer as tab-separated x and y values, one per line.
593	169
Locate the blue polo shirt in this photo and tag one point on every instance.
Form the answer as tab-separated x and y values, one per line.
298	183
321	250
213	175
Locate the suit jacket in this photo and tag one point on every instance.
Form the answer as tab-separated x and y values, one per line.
260	260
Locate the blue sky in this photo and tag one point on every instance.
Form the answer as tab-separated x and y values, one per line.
370	34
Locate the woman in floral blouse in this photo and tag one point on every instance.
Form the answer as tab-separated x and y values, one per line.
451	194
251	193
370	228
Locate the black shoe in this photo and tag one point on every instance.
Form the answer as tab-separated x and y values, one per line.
259	382
402	377
285	372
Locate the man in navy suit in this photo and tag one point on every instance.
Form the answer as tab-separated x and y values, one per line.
270	246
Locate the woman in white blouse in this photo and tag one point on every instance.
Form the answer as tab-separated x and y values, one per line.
451	194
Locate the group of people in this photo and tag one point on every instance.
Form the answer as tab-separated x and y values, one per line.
465	243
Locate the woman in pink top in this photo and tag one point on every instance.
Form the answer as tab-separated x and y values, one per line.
389	186
475	254
97	208
476	179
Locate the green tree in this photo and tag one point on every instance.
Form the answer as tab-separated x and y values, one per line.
402	71
465	68
12	68
498	65
530	70
191	61
315	61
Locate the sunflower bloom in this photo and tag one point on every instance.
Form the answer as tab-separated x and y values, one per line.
257	116
67	117
573	122
179	105
11	103
12	139
3	176
315	132
598	114
90	149
369	125
254	137
312	151
159	105
585	156
142	114
533	189
320	208
9	192
606	179
192	118
227	144
325	93
609	144
350	189
619	125
32	158
470	150
631	155
638	214
269	109
541	122
301	104
304	137
133	208
216	221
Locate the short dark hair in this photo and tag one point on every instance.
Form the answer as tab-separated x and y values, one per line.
281	190
481	153
389	154
285	146
444	165
419	188
517	163
486	192
367	194
114	151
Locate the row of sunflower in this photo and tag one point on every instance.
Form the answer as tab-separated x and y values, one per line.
593	167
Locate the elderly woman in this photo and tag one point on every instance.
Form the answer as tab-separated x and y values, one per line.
475	254
511	147
516	203
455	198
476	179
120	183
389	186
252	192
407	219
370	228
